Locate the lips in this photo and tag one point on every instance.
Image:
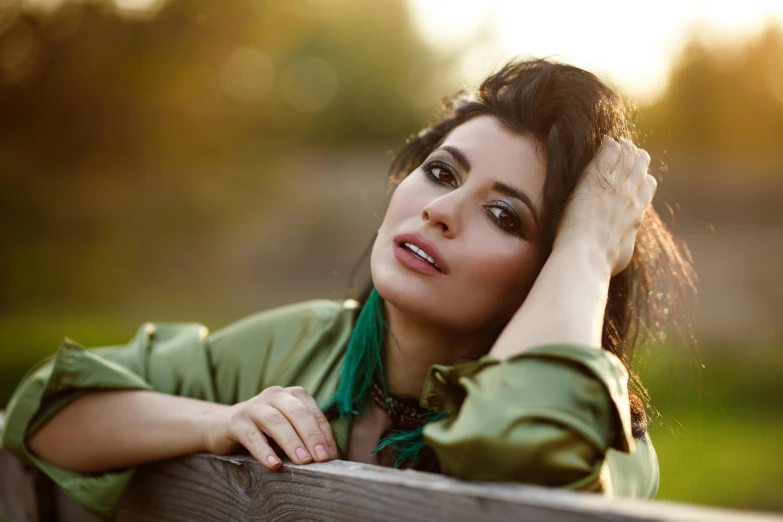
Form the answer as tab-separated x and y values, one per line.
422	249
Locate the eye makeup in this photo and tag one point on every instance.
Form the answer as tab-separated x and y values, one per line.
504	215
500	212
439	172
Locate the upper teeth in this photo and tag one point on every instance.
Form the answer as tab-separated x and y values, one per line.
421	253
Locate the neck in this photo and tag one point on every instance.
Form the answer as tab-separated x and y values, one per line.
411	346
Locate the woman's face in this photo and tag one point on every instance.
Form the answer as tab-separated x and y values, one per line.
471	210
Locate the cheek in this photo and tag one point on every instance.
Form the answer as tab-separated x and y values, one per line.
405	205
501	274
407	201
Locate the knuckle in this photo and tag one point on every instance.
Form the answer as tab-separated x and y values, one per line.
314	434
271	391
238	416
299	408
276	419
292	442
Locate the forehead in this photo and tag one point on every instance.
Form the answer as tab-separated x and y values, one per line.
498	154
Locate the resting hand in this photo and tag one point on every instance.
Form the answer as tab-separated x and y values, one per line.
608	205
289	416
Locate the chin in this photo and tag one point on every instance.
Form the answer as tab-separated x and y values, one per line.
420	299
401	290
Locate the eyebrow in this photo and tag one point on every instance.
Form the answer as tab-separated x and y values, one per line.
458	156
512	192
497	186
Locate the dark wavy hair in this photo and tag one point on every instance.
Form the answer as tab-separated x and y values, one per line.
567	111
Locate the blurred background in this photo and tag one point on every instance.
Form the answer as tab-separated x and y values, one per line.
201	160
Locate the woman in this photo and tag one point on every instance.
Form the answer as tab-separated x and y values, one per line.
518	242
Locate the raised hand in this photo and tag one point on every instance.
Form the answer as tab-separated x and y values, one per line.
608	205
289	416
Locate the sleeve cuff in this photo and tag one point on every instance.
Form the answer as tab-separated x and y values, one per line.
47	389
444	389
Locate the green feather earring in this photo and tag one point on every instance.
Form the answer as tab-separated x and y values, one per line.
363	359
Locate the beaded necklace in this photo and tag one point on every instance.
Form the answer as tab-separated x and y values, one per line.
404	413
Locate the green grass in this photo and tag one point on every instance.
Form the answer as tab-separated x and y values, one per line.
733	462
717	439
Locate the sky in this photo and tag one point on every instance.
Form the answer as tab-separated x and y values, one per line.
630	43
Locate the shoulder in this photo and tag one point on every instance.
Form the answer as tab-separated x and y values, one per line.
310	316
297	344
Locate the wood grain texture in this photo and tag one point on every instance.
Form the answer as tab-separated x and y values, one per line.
206	487
25	493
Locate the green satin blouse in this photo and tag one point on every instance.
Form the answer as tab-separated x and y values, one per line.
554	415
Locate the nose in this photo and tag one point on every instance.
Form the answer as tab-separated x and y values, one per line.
443	214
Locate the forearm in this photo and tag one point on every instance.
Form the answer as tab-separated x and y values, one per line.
565	305
106	430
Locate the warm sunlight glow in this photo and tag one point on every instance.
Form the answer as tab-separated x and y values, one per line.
630	43
139	8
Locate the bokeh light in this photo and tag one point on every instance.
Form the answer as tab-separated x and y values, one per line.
247	75
634	43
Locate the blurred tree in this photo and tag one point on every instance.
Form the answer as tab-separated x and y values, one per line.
126	134
723	100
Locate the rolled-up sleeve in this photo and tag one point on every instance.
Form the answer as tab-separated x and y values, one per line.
547	416
171	358
275	347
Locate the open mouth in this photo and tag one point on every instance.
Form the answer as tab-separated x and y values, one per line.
421	254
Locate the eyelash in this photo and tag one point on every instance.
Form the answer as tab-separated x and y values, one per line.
430	165
515	230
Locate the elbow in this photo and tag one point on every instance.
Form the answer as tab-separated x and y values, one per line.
45	444
52	444
39	445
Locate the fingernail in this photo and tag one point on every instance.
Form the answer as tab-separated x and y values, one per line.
273	461
320	452
302	455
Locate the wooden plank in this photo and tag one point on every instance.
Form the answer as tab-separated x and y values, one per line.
25	494
28	495
205	487
68	510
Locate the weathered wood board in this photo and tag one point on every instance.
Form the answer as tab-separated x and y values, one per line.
205	487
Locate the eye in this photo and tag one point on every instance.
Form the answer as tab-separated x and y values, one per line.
440	173
503	216
506	218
